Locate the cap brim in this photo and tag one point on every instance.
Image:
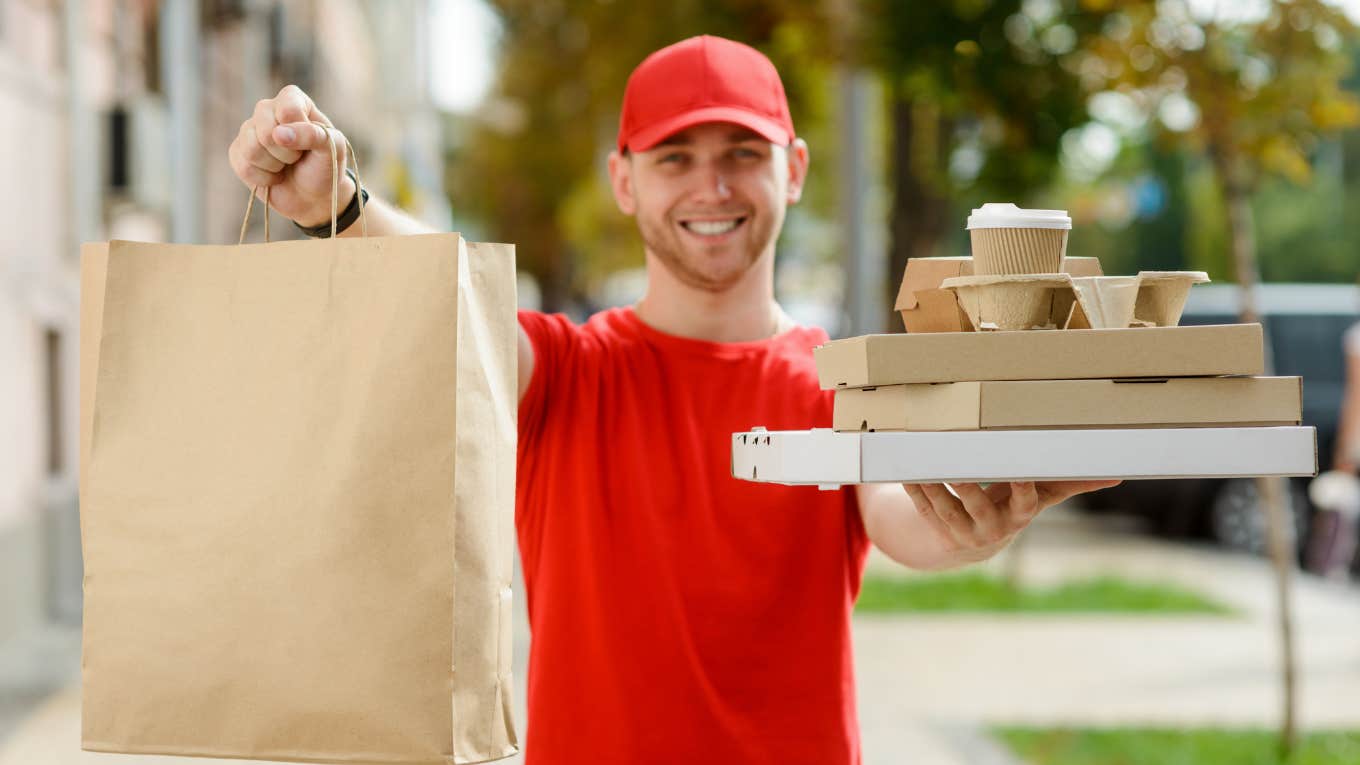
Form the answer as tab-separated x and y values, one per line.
767	128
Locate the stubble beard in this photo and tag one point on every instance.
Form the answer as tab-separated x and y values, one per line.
663	242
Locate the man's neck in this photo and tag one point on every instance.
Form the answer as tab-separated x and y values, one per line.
743	313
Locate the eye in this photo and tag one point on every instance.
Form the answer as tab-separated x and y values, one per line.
674	157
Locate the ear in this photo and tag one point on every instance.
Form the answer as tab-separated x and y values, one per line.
621	181
798	167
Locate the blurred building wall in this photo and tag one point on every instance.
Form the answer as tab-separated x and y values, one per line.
37	299
102	137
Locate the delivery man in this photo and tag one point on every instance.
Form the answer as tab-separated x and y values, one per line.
679	615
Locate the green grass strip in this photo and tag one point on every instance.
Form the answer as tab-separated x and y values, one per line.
1153	746
980	592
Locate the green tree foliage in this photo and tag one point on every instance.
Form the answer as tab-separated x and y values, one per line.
1254	96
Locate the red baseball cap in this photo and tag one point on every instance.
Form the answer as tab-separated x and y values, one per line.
703	79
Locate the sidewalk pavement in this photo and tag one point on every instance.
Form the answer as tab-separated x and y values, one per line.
950	675
929	686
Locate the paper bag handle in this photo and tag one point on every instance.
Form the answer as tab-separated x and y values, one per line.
335	192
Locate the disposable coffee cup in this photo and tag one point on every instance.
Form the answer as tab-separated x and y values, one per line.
1012	240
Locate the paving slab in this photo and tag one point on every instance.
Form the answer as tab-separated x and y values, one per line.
931	685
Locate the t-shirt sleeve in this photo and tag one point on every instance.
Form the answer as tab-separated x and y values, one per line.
554	338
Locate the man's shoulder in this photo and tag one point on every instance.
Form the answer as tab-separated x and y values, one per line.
559	330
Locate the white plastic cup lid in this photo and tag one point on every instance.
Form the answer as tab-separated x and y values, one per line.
1007	215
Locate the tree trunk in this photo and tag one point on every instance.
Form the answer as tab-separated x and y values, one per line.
555	280
1273	492
919	173
1241	226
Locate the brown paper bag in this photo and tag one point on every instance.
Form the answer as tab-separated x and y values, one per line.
297	498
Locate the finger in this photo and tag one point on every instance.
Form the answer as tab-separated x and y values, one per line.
316	115
948	539
999	493
309	136
987	518
264	123
1053	492
254	153
248	170
1023	503
950	510
917	496
250	174
291	105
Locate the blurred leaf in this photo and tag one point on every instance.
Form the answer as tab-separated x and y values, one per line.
1340	110
1280	155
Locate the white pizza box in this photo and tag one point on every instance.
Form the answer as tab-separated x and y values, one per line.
828	458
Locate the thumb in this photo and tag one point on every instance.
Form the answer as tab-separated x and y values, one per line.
307	136
1053	492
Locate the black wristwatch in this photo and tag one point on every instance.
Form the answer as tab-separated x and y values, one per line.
346	217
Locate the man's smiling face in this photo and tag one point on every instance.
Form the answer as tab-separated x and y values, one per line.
710	199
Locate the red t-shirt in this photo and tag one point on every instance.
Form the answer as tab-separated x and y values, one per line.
679	615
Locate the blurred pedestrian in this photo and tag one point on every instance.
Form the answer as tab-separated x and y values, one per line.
1336	494
680	615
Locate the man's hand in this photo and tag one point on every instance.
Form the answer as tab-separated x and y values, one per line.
938	526
283	146
974	523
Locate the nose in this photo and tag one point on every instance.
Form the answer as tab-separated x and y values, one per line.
714	183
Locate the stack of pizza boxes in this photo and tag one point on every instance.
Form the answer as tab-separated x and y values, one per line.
1021	362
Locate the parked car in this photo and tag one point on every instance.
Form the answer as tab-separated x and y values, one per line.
1304	324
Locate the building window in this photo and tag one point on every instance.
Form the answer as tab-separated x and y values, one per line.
119	176
55	444
151	51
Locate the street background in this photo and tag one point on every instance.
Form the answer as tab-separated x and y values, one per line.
1180	134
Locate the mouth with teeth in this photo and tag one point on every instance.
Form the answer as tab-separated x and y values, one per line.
713	228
